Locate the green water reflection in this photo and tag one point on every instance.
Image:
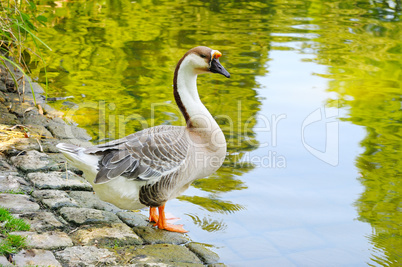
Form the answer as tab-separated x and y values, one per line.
364	52
117	58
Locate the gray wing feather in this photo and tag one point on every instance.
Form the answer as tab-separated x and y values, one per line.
146	155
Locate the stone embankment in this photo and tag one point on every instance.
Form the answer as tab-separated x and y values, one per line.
70	226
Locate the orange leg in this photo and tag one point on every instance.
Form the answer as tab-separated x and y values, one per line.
153	215
162	224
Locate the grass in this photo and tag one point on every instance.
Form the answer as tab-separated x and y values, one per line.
17	24
12	135
11	243
8	134
11	191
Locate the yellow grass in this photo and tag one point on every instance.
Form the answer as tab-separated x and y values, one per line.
12	135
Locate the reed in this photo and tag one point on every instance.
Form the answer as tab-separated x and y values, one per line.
17	25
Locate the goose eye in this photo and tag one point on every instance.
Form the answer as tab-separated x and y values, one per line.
203	56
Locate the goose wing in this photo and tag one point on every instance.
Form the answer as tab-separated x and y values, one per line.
146	155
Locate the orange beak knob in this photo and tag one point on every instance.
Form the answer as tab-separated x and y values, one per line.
217	54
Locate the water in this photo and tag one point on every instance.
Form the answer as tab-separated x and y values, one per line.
312	116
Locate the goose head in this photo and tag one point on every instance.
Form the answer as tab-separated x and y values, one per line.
203	59
198	60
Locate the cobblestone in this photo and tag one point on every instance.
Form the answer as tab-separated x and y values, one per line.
163	253
79	216
91	201
41	221
46	240
116	234
17	203
133	219
157	236
202	251
35	257
34	161
9	182
86	256
55	199
58	180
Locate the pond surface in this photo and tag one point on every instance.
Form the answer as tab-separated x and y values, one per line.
312	115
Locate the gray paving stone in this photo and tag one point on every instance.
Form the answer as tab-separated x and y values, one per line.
58	180
26	144
153	235
8	118
91	201
57	203
110	235
86	256
38	131
3	86
17	203
13	182
35	87
133	219
34	161
41	221
65	131
35	257
54	199
35	119
4	165
203	252
163	253
18	108
9	182
49	145
46	240
49	193
82	216
4	262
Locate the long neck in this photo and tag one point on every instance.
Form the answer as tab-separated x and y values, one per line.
188	100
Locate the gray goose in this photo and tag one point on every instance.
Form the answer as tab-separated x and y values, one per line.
157	164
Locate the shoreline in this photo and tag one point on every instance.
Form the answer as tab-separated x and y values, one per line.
70	225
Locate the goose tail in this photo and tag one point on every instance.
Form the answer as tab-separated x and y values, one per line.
68	148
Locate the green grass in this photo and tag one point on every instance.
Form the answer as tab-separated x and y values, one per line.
10	223
11	243
11	191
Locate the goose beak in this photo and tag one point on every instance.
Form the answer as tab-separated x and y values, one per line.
216	67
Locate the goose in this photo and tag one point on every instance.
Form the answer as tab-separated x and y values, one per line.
157	164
